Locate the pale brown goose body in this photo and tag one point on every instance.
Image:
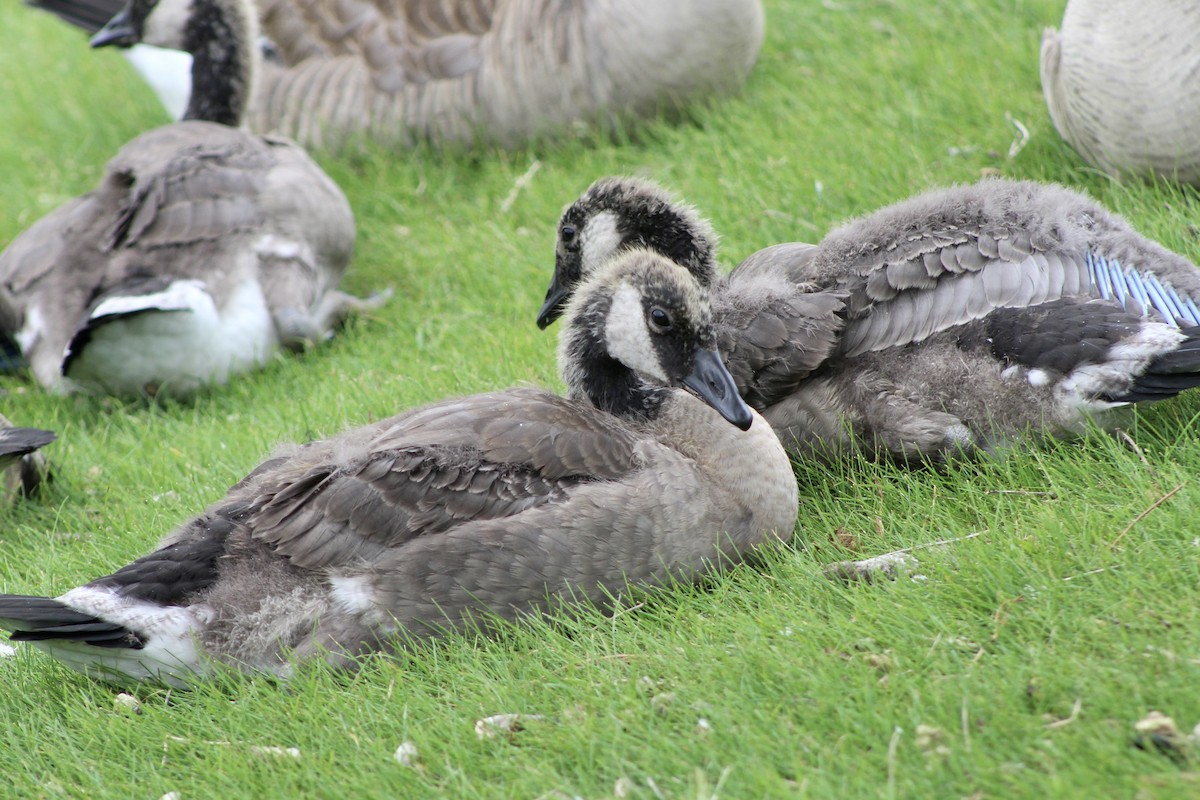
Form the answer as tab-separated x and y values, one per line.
499	71
960	321
490	506
482	71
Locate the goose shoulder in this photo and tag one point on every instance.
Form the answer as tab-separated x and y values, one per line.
774	329
1119	82
502	71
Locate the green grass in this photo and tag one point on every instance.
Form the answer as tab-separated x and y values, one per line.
810	688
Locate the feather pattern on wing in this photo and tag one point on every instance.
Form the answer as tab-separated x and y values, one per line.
498	70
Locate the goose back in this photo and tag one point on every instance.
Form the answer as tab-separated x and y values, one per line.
492	70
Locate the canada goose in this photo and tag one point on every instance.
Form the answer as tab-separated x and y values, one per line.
202	250
1120	83
961	320
24	468
510	503
497	71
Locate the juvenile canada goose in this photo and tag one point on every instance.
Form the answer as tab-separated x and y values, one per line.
1120	83
202	250
961	320
510	503
23	466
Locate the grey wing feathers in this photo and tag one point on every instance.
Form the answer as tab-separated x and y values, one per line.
34	619
773	332
913	315
951	256
339	516
183	186
432	469
555	435
16	442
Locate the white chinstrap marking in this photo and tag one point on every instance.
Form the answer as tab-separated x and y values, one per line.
598	240
627	338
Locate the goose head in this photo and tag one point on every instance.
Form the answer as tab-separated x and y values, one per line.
638	329
615	214
220	36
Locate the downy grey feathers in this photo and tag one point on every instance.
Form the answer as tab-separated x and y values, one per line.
963	320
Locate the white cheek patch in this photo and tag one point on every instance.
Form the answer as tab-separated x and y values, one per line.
627	337
166	24
598	241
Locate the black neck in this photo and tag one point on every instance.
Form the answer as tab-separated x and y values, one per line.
664	231
216	38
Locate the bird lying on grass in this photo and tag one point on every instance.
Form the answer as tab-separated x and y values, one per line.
962	321
499	505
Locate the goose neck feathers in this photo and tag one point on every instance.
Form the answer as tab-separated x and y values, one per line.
220	36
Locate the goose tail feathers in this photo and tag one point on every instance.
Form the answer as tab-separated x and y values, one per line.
38	619
1170	373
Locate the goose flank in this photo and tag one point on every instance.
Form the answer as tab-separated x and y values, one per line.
490	506
203	249
961	321
483	71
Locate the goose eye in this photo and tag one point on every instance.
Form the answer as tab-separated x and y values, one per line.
568	235
660	320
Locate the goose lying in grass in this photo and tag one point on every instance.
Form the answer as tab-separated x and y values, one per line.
202	250
24	468
510	503
1120	80
962	320
494	70
499	71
